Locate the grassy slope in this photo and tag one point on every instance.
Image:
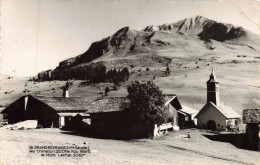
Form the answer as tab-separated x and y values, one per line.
191	66
170	149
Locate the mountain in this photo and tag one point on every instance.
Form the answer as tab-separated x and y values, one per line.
195	36
190	47
201	27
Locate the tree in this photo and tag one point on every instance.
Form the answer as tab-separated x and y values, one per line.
147	102
126	72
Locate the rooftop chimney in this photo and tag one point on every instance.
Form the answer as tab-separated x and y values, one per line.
65	93
66	90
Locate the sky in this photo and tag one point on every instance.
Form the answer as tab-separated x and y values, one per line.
37	34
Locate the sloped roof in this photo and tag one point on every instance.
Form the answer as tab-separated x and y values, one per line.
178	106
65	104
169	99
188	110
226	111
109	104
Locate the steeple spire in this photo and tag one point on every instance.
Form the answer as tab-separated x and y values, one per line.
212	77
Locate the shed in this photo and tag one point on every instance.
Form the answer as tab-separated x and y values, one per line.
251	117
185	115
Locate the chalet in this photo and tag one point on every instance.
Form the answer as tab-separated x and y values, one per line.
110	118
214	115
1	115
251	117
48	111
185	115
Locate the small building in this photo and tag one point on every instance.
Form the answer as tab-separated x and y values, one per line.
251	117
185	115
110	119
214	115
2	121
48	111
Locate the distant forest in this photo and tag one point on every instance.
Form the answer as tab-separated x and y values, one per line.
91	73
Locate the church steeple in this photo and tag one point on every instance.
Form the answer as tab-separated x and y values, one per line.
213	89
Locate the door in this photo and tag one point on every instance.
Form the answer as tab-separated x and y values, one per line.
211	125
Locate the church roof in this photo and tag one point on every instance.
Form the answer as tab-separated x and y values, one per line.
227	111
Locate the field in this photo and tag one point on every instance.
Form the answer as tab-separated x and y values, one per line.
239	84
173	148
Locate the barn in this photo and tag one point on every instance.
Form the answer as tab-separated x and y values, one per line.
48	111
251	117
110	118
184	114
215	115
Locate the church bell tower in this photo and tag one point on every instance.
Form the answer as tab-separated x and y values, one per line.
213	89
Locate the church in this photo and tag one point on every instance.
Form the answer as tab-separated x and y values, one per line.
214	115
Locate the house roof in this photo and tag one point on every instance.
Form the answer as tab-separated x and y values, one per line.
109	104
178	106
188	110
65	104
169	99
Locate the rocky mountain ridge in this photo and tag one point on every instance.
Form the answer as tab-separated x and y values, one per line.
128	44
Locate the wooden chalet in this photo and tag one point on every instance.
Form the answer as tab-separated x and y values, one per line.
110	117
251	117
48	111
